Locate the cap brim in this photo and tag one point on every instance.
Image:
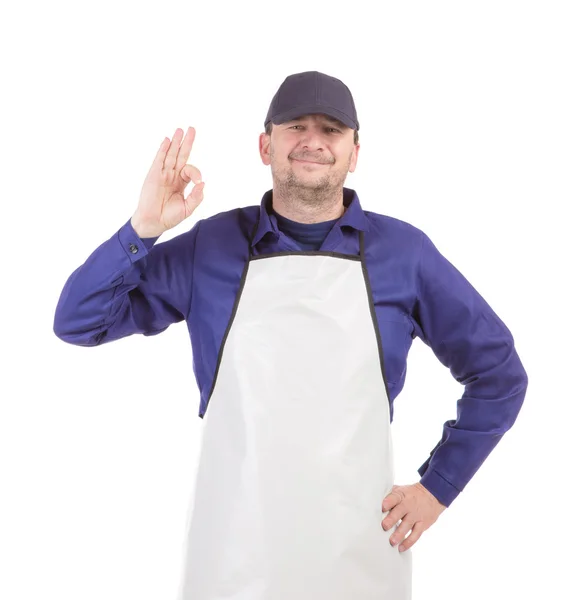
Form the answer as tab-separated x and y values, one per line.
314	109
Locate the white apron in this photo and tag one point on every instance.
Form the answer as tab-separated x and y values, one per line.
296	455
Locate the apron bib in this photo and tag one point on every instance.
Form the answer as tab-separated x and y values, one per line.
296	454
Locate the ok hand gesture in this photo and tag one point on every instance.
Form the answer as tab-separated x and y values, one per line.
162	203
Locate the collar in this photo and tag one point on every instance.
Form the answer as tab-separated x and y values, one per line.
353	216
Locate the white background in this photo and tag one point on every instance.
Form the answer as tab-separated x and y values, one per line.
468	129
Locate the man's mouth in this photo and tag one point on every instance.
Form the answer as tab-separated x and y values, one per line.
309	162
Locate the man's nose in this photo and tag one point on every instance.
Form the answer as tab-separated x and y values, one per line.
312	139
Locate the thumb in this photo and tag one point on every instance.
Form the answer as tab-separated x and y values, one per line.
194	198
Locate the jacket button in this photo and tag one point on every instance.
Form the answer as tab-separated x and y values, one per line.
133	248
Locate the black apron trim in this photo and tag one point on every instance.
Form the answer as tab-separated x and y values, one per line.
373	315
307	253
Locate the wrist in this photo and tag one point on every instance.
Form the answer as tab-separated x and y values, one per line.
143	230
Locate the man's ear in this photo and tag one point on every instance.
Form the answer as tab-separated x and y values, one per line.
354	156
265	148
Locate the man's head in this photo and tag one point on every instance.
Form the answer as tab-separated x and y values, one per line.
312	152
311	135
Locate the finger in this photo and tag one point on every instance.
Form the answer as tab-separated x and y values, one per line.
194	198
160	157
391	500
413	537
171	157
190	173
394	516
401	531
185	149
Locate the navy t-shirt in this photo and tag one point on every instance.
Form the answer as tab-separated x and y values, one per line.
309	236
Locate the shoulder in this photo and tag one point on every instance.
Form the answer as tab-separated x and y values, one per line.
231	217
228	229
232	214
391	231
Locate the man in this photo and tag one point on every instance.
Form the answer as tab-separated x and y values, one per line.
301	312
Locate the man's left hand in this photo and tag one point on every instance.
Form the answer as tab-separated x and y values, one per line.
418	508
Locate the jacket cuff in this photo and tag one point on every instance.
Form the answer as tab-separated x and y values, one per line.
442	489
134	246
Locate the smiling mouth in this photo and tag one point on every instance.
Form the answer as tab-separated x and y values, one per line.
309	162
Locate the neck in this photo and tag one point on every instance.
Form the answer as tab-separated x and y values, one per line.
308	206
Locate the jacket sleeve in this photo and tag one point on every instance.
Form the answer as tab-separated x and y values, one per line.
127	285
469	338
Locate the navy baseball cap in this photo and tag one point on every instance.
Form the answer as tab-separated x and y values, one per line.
312	92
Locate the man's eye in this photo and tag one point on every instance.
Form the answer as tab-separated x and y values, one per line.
329	128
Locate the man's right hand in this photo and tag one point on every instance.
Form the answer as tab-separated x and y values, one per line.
162	203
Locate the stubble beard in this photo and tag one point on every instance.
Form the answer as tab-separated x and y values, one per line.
317	192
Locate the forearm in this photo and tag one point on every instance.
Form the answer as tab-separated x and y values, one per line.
488	408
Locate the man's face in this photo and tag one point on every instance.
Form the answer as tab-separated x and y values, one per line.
314	152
